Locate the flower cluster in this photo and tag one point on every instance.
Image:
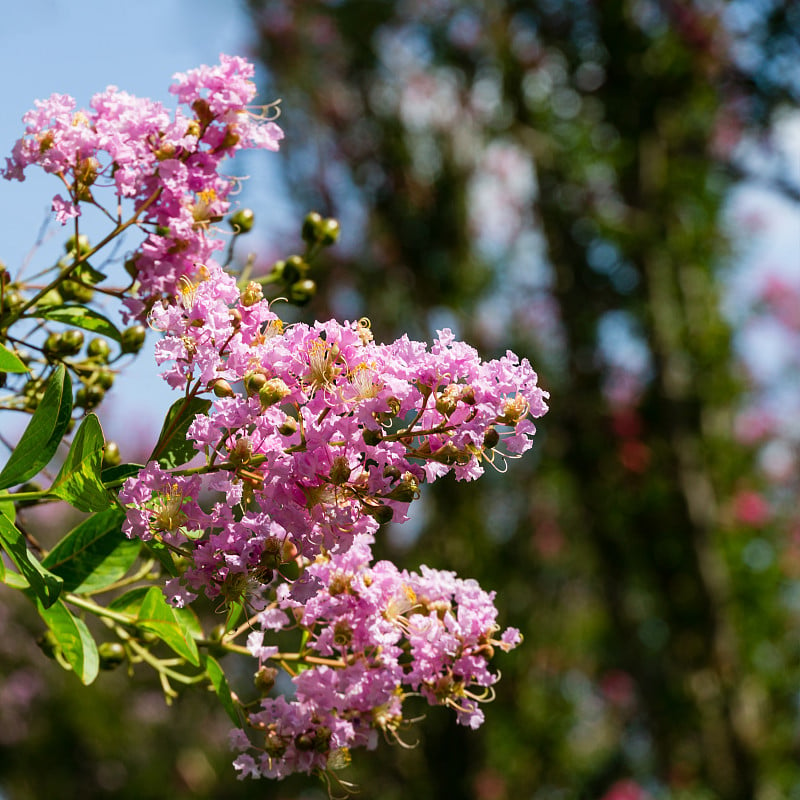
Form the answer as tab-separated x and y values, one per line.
167	165
375	636
326	435
310	437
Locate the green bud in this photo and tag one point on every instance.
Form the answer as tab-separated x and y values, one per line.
273	391
71	342
73	290
52	345
304	742
242	220
252	294
111	455
301	292
265	679
329	232
372	437
133	338
89	396
12	300
288	427
406	491
222	388
310	227
381	514
254	382
491	438
99	350
104	378
112	654
294	268
82	242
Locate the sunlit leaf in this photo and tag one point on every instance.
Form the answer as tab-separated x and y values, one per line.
44	432
9	361
95	554
74	639
173	448
44	585
157	616
81	317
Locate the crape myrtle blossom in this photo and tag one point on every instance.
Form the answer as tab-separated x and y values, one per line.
385	635
168	165
327	435
316	434
309	437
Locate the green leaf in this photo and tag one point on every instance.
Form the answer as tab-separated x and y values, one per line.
220	684
43	434
118	474
173	448
9	361
78	482
95	554
162	619
74	639
81	317
130	602
163	555
44	585
7	508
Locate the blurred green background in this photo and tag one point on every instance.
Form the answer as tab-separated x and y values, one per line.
557	178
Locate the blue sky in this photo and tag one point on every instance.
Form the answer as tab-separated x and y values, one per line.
78	47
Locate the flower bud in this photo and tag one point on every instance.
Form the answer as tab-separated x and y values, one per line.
99	350
392	472
12	300
294	268
273	391
79	245
340	471
111	455
304	742
288	427
70	342
371	437
133	338
310	226
235	317
381	513
112	654
254	382
447	401
104	378
322	739
252	294
89	396
241	452
329	232
406	491
514	409
446	454
302	291
265	679
491	438
222	388
51	346
242	220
